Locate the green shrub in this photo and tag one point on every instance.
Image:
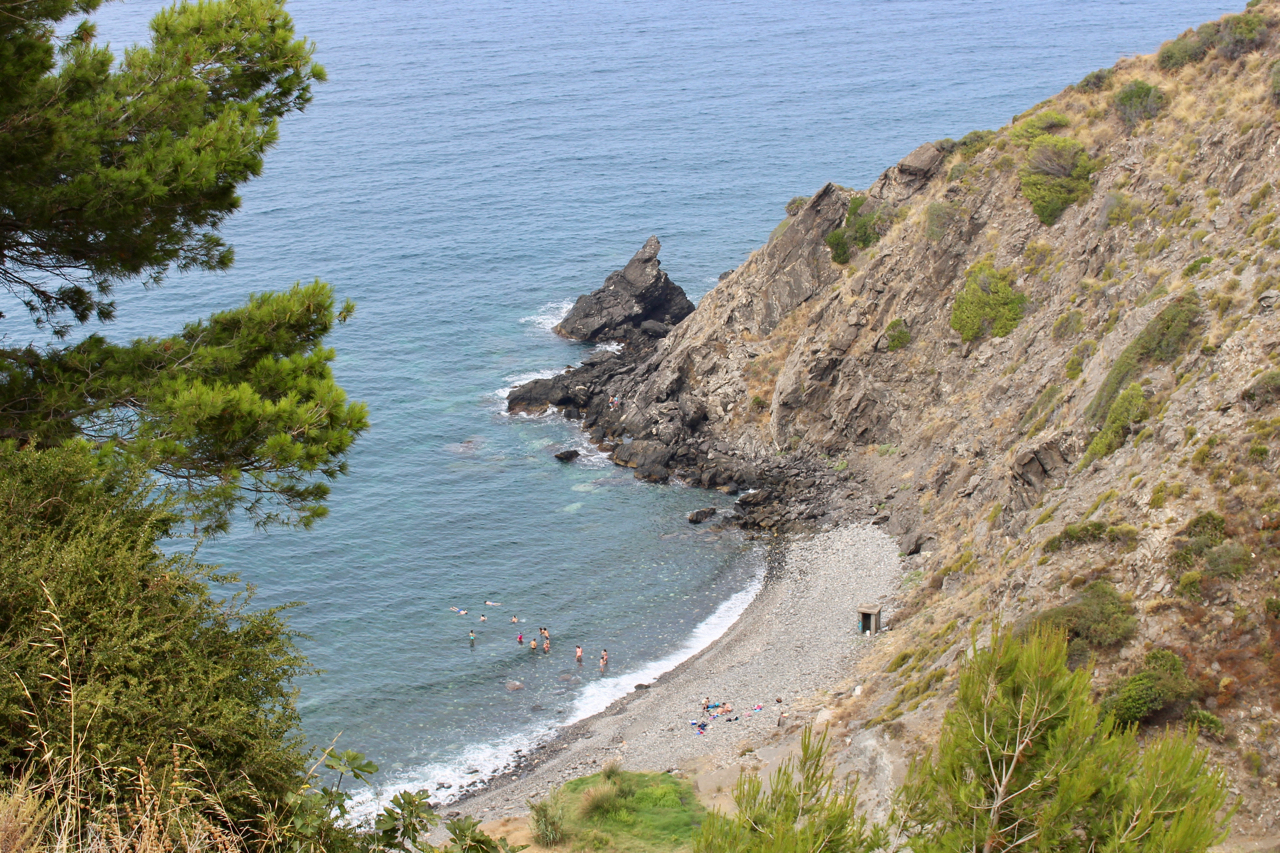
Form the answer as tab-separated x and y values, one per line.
863	229
1191	46
1189	584
1098	619
1230	560
1272	607
1274	82
897	335
1265	390
1161	682
1205	721
1055	176
938	219
1096	81
975	142
161	652
1159	495
1241	34
797	202
1161	341
1068	325
987	304
1075	534
838	240
1196	265
1129	408
1041	124
1138	101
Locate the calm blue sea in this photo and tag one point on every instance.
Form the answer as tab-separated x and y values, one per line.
470	168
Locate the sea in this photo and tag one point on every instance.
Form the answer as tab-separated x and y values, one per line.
469	169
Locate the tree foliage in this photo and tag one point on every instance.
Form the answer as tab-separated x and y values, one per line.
987	304
804	809
1026	761
241	408
112	171
112	651
121	170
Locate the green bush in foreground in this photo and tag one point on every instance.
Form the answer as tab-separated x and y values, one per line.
803	810
987	304
1161	682
1026	757
144	653
1026	760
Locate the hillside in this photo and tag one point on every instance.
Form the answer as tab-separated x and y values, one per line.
1047	358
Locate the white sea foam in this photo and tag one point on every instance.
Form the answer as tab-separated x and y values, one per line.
518	379
549	315
598	695
482	761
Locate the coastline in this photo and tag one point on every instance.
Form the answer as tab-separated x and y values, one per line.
797	639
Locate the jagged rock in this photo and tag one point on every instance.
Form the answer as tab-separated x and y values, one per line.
568	455
700	515
1269	298
630	296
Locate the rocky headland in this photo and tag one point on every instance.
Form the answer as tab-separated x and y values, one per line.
1044	358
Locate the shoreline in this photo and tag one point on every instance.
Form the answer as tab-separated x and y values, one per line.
796	639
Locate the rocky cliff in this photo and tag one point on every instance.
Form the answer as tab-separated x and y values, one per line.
1046	358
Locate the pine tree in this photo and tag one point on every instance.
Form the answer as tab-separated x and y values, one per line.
118	171
1026	761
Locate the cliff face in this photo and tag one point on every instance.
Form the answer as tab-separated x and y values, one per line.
1031	407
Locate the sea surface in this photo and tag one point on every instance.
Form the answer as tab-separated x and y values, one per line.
469	169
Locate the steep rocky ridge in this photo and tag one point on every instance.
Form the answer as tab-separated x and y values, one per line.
1019	469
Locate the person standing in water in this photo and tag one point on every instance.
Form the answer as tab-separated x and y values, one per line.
604	659
546	647
520	639
577	655
473	638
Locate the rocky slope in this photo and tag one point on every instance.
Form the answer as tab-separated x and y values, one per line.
1044	357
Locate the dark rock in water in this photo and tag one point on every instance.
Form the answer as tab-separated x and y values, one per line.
654	329
568	455
630	296
700	515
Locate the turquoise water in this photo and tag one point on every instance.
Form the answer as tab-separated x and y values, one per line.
468	171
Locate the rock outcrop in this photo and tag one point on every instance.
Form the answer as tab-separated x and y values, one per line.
638	298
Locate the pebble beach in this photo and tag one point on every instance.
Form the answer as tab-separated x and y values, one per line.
797	640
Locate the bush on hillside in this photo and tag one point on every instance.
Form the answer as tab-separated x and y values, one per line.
1161	341
1161	682
1098	619
938	218
897	335
975	142
1274	82
1241	34
1096	81
1055	176
987	305
794	206
1041	124
1127	409
1138	101
1265	390
838	241
1191	46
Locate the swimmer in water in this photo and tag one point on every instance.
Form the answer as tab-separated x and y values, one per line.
482	618
577	655
514	620
604	659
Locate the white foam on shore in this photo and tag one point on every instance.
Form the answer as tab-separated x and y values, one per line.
518	379
494	757
600	694
549	315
